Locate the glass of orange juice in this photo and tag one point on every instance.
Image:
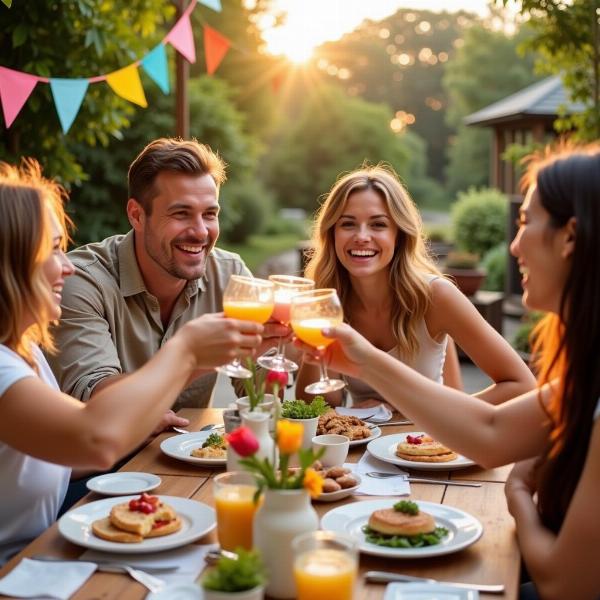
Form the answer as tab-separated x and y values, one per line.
234	502
248	299
311	312
325	565
286	286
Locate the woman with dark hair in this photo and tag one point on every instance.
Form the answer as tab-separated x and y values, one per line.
553	431
42	431
368	245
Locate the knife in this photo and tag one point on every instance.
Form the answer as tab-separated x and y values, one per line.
386	577
107	566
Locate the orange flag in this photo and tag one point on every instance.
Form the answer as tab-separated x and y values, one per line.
215	48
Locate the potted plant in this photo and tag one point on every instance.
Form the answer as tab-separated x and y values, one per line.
235	579
307	413
464	268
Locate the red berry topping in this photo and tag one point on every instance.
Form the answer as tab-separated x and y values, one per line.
414	439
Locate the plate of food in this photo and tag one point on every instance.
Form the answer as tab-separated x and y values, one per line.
357	431
137	524
417	450
338	482
404	529
123	483
204	448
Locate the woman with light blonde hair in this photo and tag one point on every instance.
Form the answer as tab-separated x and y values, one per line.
368	245
42	431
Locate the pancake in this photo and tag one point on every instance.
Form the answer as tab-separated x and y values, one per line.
393	522
438	458
134	521
423	446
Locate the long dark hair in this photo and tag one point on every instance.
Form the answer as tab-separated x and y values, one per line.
569	186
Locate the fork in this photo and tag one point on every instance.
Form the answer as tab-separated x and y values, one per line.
208	427
380	475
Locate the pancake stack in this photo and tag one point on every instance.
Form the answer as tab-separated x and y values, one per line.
423	448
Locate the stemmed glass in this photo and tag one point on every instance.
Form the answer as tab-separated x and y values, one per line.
286	286
311	312
248	299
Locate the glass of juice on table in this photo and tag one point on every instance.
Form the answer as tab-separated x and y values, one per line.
325	566
286	286
234	502
248	299
311	312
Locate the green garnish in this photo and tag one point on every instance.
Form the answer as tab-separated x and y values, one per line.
407	507
298	409
214	439
405	541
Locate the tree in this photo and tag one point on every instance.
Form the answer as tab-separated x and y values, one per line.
566	36
67	38
473	80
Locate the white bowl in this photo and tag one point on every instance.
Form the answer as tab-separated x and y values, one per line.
336	448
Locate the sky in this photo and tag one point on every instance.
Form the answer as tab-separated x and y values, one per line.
312	22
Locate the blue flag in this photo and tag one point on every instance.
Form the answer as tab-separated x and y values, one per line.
155	64
214	4
68	95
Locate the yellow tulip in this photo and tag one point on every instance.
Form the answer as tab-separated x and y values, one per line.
289	436
313	483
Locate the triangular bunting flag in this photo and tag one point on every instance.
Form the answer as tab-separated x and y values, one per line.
68	95
155	64
277	81
215	48
181	38
126	83
15	88
214	4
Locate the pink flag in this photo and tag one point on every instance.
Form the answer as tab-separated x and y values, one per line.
15	88
181	38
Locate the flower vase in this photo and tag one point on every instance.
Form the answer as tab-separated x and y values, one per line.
282	516
258	422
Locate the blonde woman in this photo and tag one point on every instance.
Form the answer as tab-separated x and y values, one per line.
42	431
368	243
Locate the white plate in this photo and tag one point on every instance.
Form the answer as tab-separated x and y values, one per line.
178	591
463	529
343	493
181	446
375	433
123	483
197	520
427	591
385	449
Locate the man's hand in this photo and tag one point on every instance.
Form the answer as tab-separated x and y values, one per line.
273	330
168	420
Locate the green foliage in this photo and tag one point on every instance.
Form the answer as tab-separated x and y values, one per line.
522	338
479	219
214	439
462	260
494	262
405	541
407	507
438	233
299	409
231	575
472	80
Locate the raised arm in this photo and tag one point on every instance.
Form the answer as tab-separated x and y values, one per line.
452	313
47	424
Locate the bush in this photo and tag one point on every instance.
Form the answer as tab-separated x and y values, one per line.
494	263
279	226
521	340
479	219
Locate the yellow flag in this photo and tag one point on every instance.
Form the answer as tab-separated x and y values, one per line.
126	83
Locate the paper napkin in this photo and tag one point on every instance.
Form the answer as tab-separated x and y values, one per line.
375	414
41	579
370	486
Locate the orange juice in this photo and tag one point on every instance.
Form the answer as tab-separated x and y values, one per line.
309	331
258	312
323	574
235	512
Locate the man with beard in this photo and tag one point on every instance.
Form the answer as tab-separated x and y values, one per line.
131	293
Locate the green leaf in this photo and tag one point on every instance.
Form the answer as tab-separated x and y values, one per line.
19	35
7	3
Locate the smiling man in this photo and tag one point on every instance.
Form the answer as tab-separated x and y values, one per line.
132	292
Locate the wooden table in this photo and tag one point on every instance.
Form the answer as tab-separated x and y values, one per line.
493	559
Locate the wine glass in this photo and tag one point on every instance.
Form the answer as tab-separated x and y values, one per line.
286	286
312	311
248	299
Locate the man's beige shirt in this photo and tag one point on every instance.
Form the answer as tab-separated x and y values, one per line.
111	324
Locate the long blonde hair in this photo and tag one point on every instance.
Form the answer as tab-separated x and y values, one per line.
411	262
26	202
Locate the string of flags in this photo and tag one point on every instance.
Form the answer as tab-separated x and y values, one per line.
68	94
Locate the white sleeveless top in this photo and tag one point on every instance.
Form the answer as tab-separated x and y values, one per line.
429	361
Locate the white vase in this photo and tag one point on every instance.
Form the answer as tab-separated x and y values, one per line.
265	405
282	516
258	422
256	593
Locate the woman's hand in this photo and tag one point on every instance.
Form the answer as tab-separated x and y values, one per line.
522	478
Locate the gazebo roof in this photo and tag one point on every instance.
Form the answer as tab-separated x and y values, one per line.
540	99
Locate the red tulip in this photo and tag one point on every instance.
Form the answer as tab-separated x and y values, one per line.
277	377
243	441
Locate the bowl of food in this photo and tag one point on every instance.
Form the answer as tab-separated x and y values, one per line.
338	482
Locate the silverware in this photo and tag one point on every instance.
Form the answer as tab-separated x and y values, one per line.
389	423
106	565
213	556
385	577
380	475
208	427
